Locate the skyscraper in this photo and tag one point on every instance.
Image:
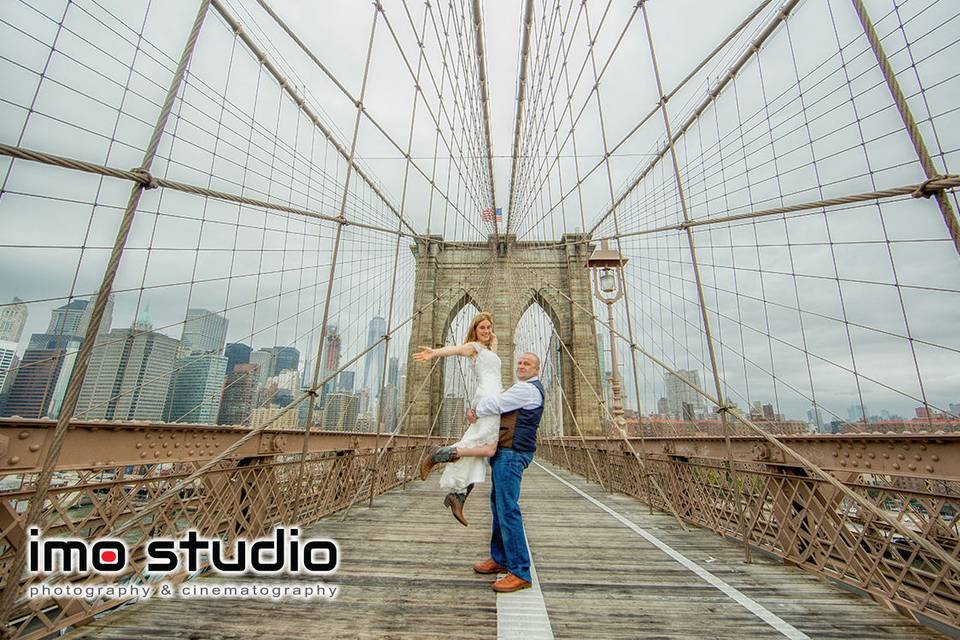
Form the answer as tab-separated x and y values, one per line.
285	359
8	352
682	401
13	316
106	320
239	394
266	360
373	361
66	320
8	359
72	346
129	374
37	375
332	345
393	371
345	381
237	353
204	332
196	387
341	411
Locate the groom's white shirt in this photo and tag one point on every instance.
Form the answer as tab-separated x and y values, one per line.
522	395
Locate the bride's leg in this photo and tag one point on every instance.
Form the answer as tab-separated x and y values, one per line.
482	451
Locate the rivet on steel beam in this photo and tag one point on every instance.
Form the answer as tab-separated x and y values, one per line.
139	445
900	456
156	454
143	454
14	459
929	469
935	458
912	467
867	465
843	463
146	436
23	435
835	454
886	456
896	465
34	448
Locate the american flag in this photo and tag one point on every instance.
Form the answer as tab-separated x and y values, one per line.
487	214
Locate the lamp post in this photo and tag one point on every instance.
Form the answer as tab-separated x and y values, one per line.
607	266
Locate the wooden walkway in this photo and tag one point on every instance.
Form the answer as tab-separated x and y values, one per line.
405	573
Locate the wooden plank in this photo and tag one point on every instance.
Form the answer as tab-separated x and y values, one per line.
405	573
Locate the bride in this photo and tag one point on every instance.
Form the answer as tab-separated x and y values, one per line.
480	439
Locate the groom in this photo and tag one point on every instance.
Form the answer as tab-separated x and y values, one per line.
520	408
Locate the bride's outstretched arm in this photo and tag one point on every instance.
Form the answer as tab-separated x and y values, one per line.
426	353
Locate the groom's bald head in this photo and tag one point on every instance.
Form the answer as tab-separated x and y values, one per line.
528	365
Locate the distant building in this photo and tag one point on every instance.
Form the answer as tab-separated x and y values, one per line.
106	320
239	394
65	320
196	388
286	359
332	345
682	401
340	412
237	353
390	408
393	371
63	378
813	417
373	361
9	362
8	353
263	415
13	317
265	359
36	379
345	381
129	374
204	332
663	407
857	413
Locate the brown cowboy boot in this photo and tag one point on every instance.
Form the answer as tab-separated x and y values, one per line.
455	502
434	456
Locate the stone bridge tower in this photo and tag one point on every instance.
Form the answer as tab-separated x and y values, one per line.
520	274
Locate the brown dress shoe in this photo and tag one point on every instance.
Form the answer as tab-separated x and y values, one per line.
455	502
510	583
487	566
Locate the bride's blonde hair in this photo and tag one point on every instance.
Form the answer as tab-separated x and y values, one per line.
472	331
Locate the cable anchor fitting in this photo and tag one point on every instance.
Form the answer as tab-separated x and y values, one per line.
924	190
146	179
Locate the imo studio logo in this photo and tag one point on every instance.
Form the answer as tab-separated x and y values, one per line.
283	552
75	555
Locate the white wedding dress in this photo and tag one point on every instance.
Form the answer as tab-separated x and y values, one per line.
472	469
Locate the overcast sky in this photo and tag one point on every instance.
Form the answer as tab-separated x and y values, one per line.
819	306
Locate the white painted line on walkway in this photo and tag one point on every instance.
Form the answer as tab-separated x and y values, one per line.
522	615
739	597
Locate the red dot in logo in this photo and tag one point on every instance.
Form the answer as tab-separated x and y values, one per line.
108	556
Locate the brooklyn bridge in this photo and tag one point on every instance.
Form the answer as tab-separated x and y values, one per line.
728	230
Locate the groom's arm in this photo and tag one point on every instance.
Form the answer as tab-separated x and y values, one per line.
520	395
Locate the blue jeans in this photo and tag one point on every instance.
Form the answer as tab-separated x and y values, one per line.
508	546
